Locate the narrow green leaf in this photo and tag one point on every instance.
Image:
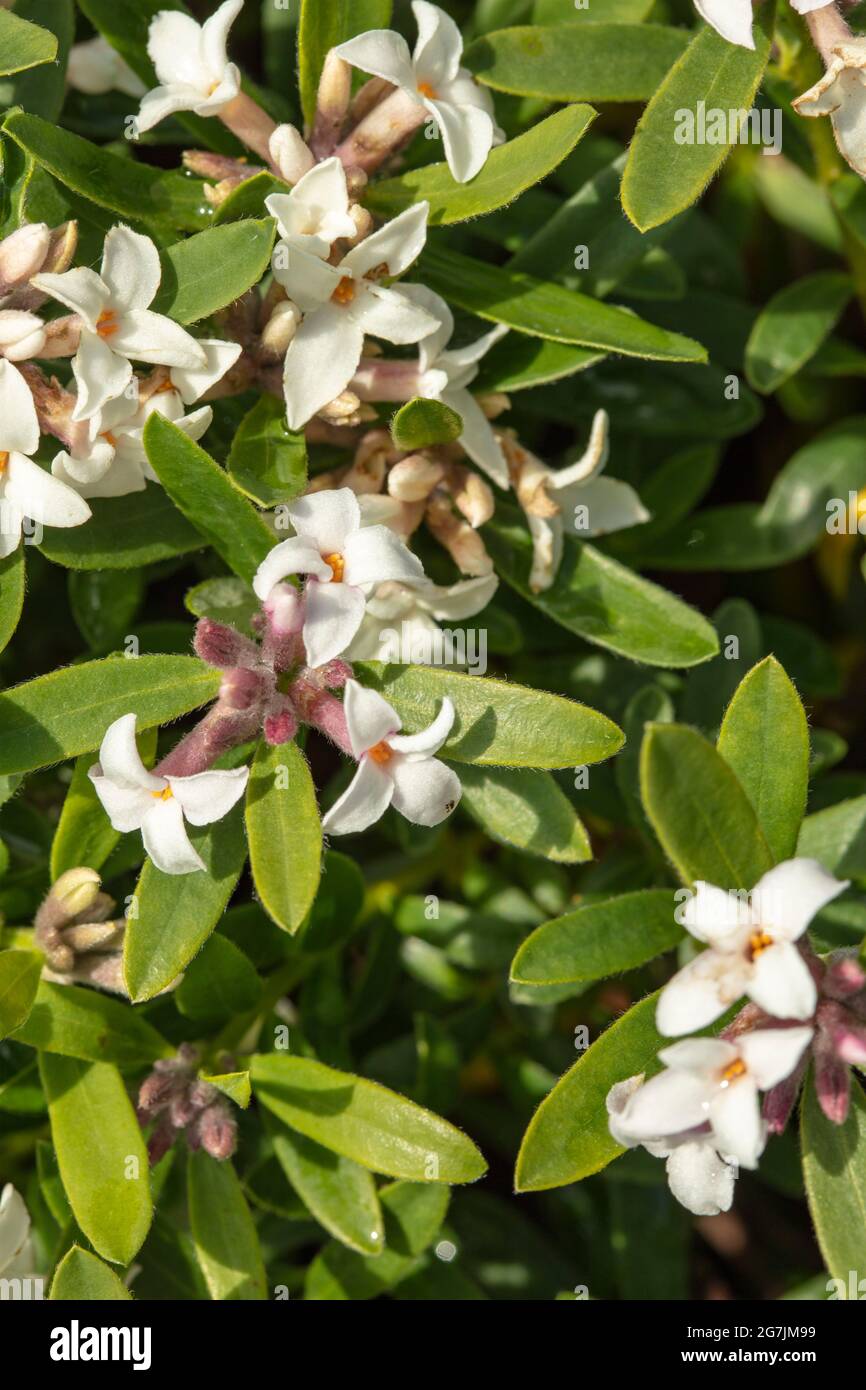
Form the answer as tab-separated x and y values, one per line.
81	1277
284	833
517	363
599	939
124	533
834	1167
596	62
19	981
75	1022
226	1243
207	272
267	461
525	808
101	1153
791	328
413	1218
836	837
322	27
11	595
498	723
203	492
704	821
23	45
340	1194
765	739
42	89
376	1127
419	424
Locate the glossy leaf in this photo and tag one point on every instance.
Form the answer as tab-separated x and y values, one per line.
599	939
223	1232
413	1217
284	833
218	984
204	273
85	1023
792	326
19	981
340	1194
267	461
597	62
527	809
124	533
23	45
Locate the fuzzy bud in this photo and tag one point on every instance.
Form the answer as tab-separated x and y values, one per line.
217	1131
280	726
290	153
414	478
463	544
76	891
280	329
223	646
22	335
22	255
243	689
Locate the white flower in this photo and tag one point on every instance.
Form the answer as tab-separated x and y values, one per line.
116	324
22	335
26	490
733	18
393	768
135	799
111	461
698	1176
192	65
433	77
752	950
416	608
341	303
715	1083
841	95
343	560
575	497
445	373
315	213
16	1249
95	67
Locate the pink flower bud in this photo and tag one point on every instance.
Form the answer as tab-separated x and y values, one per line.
22	255
280	726
832	1082
223	646
844	976
243	689
217	1131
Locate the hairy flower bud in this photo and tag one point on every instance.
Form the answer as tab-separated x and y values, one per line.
223	646
280	329
414	478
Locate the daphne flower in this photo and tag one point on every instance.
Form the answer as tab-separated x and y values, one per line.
116	324
733	18
417	608
698	1176
95	68
22	335
393	768
752	948
26	490
343	559
341	303
716	1083
432	77
16	1248
135	799
192	65
315	213
841	95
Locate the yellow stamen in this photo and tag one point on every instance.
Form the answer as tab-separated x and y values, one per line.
758	943
4	460
732	1071
345	291
338	567
380	753
426	90
107	324
165	795
110	438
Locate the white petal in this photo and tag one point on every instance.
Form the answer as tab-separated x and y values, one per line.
19	425
714	915
364	801
192	382
14	1226
382	53
611	505
700	1180
119	758
130	268
318	205
806	6
772	1054
478	438
461	600
11	522
17	326
429	740
616	1102
472	353
126	807
374	554
467	137
166	840
849	121
40	496
786	899
307	279
781	982
321	361
388	314
426	791
704	1057
81	290
700	993
730	18
294	556
440	46
396	245
593	458
333	616
369	717
326	520
162	102
208	796
735	1116
430	347
215	33
220	96
100	375
174	46
150	337
671	1103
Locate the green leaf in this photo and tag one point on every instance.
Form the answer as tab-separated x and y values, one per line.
322	27
68	711
172	916
340	1194
509	171
517	363
220	983
834	1167
104	604
836	837
419	424
226	1243
234	1084
498	723
207	272
23	45
376	1127
662	176
11	595
81	1277
112	181
413	1218
568	1136
101	1154
596	62
124	533
202	491
525	808
765	739
83	1023
226	599
545	310
84	834
19	981
284	833
600	600
42	89
599	939
790	329
704	821
267	461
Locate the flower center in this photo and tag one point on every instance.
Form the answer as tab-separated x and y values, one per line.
338	567
108	323
4	461
733	1071
380	753
427	90
110	438
345	291
165	795
758	942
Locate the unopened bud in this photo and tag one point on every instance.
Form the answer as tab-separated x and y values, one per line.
363	220
61	252
22	335
22	255
62	336
494	404
280	329
342	410
473	497
242	689
334	674
290	153
154	1094
414	478
844	977
94	936
76	891
280	723
217	1131
463	544
223	646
